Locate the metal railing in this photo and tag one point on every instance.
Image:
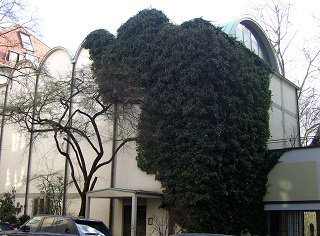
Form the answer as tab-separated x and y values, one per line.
294	142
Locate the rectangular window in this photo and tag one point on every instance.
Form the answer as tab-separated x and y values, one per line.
13	57
35	206
32	58
26	41
41	206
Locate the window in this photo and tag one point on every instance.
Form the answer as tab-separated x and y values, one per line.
34	223
14	57
31	58
26	41
254	45
42	206
251	40
247	37
63	226
35	206
47	225
4	226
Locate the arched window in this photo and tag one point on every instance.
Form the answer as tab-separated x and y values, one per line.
250	39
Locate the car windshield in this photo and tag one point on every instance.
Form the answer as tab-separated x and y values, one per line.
34	223
92	227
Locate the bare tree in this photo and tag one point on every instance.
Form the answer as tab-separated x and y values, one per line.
309	114
51	187
309	96
163	225
276	17
17	12
71	110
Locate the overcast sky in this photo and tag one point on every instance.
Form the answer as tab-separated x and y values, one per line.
67	22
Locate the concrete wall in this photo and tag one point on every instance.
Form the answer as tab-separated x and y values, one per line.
284	115
294	182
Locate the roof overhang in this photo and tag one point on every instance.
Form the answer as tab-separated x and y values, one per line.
120	193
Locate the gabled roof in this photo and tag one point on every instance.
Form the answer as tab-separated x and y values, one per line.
11	40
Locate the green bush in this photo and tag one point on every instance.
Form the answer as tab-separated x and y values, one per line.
23	219
8	209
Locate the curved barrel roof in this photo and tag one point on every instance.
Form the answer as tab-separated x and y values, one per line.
239	29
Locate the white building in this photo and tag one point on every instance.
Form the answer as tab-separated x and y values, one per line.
124	197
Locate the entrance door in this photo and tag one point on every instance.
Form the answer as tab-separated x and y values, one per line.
141	221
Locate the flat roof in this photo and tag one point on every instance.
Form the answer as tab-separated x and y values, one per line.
122	193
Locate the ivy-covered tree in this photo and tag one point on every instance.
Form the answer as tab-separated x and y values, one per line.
204	121
122	65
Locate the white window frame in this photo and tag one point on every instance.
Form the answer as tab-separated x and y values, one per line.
26	41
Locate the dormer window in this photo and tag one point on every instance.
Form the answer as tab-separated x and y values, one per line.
26	41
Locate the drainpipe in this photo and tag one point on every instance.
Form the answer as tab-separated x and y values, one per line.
31	145
114	161
114	144
298	120
3	118
66	164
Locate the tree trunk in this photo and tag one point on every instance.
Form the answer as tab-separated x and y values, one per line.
318	222
82	211
85	189
171	223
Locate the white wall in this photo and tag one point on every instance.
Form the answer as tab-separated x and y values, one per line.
283	114
293	184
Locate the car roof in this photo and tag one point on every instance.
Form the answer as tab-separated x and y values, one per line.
199	234
69	217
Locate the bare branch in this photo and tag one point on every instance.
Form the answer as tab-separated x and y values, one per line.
72	111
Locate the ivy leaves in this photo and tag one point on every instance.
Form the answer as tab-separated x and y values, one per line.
204	121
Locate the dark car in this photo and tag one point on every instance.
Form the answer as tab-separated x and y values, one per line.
199	234
60	225
4	226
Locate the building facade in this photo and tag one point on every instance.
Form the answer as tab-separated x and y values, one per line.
124	197
17	44
17	47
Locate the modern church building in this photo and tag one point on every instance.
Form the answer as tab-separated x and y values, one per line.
126	198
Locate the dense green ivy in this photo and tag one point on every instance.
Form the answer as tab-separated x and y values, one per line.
204	121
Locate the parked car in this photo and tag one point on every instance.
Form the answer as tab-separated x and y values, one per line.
199	234
4	226
60	225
